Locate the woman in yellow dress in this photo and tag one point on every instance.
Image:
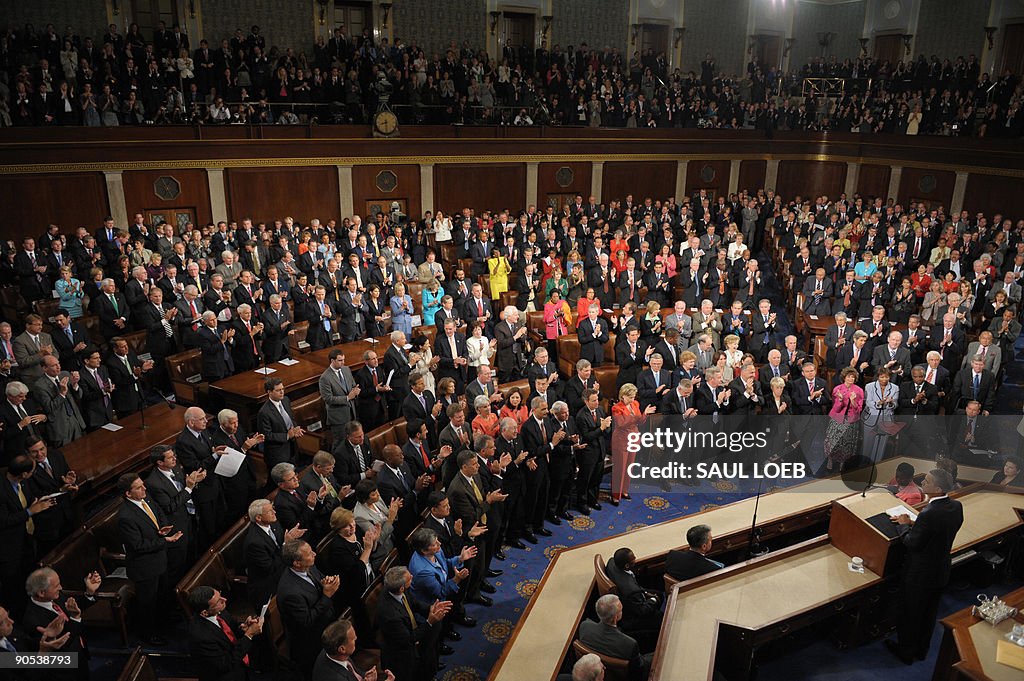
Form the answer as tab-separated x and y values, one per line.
498	268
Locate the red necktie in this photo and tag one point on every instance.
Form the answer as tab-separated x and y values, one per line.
480	307
195	313
226	628
426	459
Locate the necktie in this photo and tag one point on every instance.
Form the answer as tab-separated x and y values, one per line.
70	334
288	424
226	628
113	301
359	457
8	350
149	512
423	453
931	376
810	387
479	499
7	645
408	610
30	525
977	385
480	307
341	379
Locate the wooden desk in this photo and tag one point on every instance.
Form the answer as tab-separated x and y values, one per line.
102	456
353	352
245	392
818	327
544	633
968	649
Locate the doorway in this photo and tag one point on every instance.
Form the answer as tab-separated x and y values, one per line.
1013	50
889	48
517	30
149	13
654	37
353	17
768	51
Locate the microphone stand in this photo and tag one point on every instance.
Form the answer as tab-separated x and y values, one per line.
754	548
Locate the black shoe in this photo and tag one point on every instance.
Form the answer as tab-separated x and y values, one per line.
481	600
465	621
494	573
613	502
453	635
596	506
446	649
487	588
553	520
544	532
566	516
530	537
627	497
518	544
583	510
499	554
894	648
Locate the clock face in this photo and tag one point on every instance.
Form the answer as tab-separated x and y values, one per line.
385	122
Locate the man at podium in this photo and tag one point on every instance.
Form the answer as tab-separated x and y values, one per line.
928	541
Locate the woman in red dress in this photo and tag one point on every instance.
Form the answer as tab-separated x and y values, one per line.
626	418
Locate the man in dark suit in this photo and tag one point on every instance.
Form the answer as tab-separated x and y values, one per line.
605	637
583	381
919	398
218	644
97	405
593	334
630	356
949	341
654	383
974	383
687	564
241	487
334	663
927	564
475	503
245	346
262	550
477	308
450	347
277	424
30	266
395	480
45	601
397	366
817	291
158	322
51	475
215	345
146	536
641	609
126	371
371	403
339	392
113	310
69	338
352	311
195	451
594	428
170	489
190	315
539	437
320	311
352	457
304	601
18	511
276	330
810	393
408	643
295	506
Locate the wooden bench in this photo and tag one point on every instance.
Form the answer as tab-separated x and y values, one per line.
185	370
138	668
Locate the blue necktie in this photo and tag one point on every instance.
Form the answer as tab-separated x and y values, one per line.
977	385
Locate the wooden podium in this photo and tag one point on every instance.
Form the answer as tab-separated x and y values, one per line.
852	532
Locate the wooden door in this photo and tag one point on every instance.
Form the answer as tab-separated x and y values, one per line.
654	37
889	48
769	51
1013	50
556	201
517	29
148	13
179	217
353	17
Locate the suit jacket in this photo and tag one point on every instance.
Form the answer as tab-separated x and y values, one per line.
292	510
275	338
38	616
993	356
26	353
305	612
214	656
97	409
802	404
159	343
928	542
145	549
127	396
880	358
687	564
245	347
194	453
635	603
612	641
928	407
397	361
647	390
277	446
326	669
55	523
629	363
404	648
592	340
263	561
107	314
465	505
64	421
443	350
172	502
65	346
963	387
340	410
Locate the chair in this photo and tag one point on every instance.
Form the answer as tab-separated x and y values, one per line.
605	585
136	341
297	343
309	410
185	370
380	437
522	385
615	668
535	324
670	582
605	376
47	307
273	630
568	354
401	436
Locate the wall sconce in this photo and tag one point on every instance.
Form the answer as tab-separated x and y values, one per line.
990	34
863	45
907	37
634	30
789	46
546	26
323	11
115	7
494	21
192	9
677	36
385	7
751	43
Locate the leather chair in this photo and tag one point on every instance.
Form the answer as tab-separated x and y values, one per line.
309	410
136	341
605	585
377	438
185	370
297	344
429	331
568	354
47	307
522	385
535	324
400	435
615	668
606	375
